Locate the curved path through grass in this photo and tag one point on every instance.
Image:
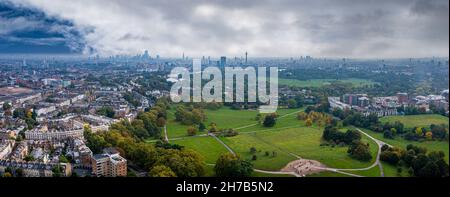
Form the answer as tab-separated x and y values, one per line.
336	170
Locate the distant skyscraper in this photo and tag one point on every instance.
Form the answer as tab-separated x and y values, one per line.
146	55
246	54
223	61
183	55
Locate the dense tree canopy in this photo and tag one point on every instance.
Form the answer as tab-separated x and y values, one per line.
229	165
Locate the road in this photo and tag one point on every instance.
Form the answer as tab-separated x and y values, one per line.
165	134
380	144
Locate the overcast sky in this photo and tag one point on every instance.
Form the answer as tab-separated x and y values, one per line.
320	28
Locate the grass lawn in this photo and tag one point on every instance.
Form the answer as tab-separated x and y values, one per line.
289	137
321	82
391	171
400	142
372	172
411	121
241	144
305	142
328	174
288	119
229	118
260	174
302	141
174	128
208	147
224	118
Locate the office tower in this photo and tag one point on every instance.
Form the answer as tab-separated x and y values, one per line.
223	61
246	54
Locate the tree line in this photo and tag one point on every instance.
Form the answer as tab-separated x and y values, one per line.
417	160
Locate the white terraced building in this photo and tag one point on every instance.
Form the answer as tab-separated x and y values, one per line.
6	148
53	135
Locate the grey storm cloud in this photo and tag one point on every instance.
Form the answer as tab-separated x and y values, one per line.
331	28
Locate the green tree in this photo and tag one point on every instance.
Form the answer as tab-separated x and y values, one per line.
201	127
57	171
292	103
161	171
106	111
252	150
6	106
269	120
63	159
430	170
360	151
184	163
29	158
95	142
229	165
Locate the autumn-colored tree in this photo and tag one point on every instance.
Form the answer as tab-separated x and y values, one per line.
302	116
191	131
7	174
319	123
419	131
29	113
308	122
213	128
161	122
429	135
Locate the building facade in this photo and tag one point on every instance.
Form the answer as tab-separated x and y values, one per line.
109	165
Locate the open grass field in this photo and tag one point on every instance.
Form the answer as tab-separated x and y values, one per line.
260	174
289	138
301	141
411	121
241	144
287	119
206	146
305	142
229	118
224	118
321	82
328	174
372	172
174	128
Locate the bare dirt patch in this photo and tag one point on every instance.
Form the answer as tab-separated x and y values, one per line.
303	167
